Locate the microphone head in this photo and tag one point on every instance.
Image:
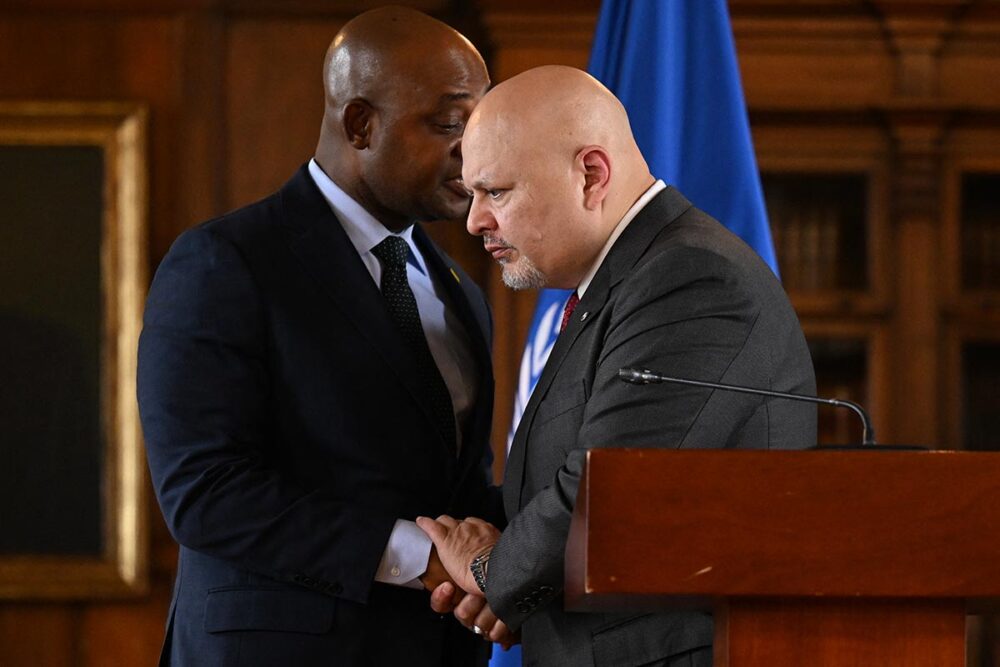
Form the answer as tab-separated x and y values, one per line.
633	376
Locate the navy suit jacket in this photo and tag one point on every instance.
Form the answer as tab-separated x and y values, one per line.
286	432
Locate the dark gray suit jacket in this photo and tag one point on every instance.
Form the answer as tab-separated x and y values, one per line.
679	294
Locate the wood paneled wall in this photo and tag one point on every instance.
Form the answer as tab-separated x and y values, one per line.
234	91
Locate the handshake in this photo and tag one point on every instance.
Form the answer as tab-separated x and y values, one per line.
450	580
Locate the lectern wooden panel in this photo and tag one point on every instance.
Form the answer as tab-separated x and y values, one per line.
846	557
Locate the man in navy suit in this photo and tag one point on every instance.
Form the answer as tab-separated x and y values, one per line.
314	373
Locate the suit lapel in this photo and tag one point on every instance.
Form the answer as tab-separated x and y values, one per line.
638	235
592	302
457	290
323	248
445	273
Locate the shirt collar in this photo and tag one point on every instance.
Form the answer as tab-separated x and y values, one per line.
362	228
640	203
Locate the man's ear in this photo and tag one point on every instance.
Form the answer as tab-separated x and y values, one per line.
359	118
596	165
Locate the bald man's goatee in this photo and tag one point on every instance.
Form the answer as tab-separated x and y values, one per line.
523	274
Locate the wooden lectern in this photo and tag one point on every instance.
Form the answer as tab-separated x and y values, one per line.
807	558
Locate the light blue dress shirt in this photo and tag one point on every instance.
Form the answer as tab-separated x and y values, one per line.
406	554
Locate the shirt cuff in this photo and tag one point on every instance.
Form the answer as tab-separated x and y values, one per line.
405	557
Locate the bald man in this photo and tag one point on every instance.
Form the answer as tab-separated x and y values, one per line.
563	198
314	373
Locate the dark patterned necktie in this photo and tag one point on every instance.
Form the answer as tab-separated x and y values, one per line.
392	253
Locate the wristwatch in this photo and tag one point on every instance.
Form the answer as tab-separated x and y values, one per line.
478	566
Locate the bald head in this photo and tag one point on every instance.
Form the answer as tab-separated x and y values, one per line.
557	108
399	87
558	143
378	47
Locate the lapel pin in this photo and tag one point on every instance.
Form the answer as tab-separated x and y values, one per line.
584	316
457	279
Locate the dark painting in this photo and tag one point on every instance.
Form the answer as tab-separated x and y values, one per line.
51	443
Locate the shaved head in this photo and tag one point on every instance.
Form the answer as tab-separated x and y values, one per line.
550	156
378	47
555	108
399	88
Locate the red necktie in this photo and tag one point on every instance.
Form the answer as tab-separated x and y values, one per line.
568	310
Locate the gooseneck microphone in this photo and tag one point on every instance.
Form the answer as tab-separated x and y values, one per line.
634	376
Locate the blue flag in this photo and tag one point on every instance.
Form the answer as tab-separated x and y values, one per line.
672	63
542	336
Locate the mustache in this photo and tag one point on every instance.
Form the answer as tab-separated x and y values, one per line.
496	241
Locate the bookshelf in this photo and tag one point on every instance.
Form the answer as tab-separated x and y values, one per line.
819	225
850	359
980	231
980	411
825	187
841	372
970	239
977	355
826	191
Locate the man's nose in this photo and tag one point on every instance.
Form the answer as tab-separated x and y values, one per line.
480	219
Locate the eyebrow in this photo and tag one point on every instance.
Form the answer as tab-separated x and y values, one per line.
454	97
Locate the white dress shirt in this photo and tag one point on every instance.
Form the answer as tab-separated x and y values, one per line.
405	556
630	214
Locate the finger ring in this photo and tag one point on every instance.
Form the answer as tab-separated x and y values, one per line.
478	630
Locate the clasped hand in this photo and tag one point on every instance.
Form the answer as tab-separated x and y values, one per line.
456	544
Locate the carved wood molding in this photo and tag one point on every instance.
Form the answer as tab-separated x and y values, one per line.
344	8
571	29
918	135
917	32
979	29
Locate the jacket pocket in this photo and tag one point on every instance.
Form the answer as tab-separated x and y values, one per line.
278	610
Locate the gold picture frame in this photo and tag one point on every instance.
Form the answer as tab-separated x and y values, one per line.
111	137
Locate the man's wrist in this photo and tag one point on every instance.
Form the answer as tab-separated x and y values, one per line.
405	557
479	566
